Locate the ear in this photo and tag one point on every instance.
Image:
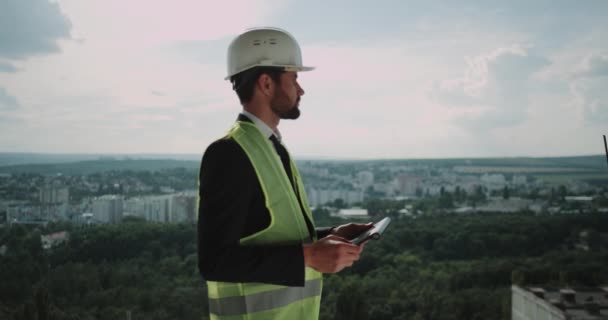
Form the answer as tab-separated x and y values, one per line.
265	84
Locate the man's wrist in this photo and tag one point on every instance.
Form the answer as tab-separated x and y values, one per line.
307	253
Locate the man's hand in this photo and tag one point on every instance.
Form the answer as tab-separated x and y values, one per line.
331	254
351	230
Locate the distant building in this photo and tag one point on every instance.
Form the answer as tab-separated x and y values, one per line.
318	197
179	207
85	218
533	303
20	210
519	180
366	178
493	181
352	213
157	208
54	201
134	207
184	208
409	183
580	199
464	210
53	194
538	207
54	239
108	209
388	189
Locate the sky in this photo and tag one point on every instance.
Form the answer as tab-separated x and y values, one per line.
393	79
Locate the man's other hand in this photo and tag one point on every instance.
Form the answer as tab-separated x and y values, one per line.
331	254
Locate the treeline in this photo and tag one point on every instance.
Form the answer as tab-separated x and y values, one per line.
147	270
95	166
590	162
432	267
462	267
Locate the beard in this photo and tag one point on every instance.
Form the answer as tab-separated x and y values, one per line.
282	106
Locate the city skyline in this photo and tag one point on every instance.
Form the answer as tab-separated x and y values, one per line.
393	80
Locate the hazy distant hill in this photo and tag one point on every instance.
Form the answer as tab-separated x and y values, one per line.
594	163
86	164
11	158
597	162
93	166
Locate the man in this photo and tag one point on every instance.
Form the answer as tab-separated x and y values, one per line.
258	247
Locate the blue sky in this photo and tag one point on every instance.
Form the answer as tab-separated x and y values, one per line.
394	79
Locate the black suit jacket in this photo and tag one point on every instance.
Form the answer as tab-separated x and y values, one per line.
232	206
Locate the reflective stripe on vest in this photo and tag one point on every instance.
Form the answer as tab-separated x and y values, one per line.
257	302
263	301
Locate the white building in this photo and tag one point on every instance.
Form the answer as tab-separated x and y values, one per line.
54	201
50	240
157	208
54	195
352	213
184	208
493	181
365	178
180	207
108	209
17	210
134	207
580	199
387	189
519	180
318	197
533	303
409	183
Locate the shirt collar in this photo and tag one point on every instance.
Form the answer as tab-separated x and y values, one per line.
262	126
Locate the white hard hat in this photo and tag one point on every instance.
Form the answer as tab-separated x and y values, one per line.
264	47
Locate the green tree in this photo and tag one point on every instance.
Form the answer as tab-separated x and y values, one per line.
339	204
42	303
562	192
351	303
506	193
446	200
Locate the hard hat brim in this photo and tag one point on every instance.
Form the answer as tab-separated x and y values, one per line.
287	68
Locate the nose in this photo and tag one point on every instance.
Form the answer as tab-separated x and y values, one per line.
300	90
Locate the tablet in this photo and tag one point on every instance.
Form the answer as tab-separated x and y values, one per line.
373	233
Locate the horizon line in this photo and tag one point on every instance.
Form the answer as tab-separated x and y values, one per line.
100	154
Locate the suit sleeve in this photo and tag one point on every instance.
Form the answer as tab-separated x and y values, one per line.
227	186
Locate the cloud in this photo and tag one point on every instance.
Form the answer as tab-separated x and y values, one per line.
594	65
7	67
7	102
137	23
590	98
586	76
494	89
31	27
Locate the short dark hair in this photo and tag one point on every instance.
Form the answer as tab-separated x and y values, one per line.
244	82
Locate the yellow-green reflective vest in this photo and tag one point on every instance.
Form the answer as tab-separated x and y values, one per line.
253	301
